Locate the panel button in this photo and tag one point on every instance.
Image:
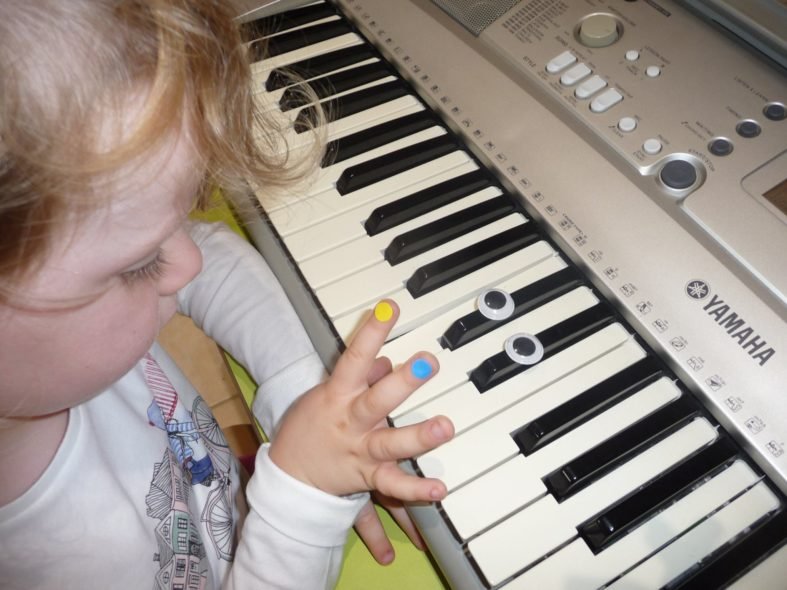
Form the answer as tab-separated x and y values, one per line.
748	129
678	174
775	111
590	86
653	71
627	124
606	100
575	74
561	62
651	146
632	55
720	147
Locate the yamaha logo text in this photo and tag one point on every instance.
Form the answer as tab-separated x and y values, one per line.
737	327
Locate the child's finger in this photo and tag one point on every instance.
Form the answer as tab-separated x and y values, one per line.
392	481
392	444
356	363
389	392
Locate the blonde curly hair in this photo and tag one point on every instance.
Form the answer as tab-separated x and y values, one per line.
65	67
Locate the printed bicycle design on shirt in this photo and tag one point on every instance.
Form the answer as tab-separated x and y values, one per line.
197	456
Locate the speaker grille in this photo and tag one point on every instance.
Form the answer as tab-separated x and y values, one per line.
476	15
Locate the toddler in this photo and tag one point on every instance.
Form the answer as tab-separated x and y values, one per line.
117	117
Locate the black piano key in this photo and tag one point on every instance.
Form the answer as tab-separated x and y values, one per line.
286	42
500	367
418	240
579	473
262	27
382	167
725	566
318	66
585	406
449	268
295	97
402	210
475	324
349	104
604	529
359	142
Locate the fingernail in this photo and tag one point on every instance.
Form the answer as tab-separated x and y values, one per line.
421	368
387	557
436	493
437	430
383	311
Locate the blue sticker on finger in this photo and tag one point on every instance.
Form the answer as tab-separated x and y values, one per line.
421	368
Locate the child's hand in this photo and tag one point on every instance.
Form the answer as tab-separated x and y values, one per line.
332	438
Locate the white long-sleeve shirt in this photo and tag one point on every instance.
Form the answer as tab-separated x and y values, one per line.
138	497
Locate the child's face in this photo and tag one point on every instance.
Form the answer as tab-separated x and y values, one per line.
103	293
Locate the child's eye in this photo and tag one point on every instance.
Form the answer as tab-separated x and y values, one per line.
153	270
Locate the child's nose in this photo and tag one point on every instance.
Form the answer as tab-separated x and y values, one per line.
183	263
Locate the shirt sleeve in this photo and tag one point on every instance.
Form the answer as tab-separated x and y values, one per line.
294	534
238	302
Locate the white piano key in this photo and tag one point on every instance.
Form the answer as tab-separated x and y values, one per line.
456	364
575	567
505	489
372	284
459	461
723	526
465	406
414	312
260	69
500	552
289	215
769	573
426	336
348	226
365	251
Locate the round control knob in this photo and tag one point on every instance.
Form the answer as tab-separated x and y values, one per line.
720	147
678	174
598	30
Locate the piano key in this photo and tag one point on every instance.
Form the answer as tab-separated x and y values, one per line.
500	553
411	206
475	324
418	240
263	64
318	65
347	226
351	103
376	282
359	142
414	312
457	463
333	84
426	335
589	570
299	38
456	460
574	412
520	480
768	573
569	479
442	271
298	17
615	522
705	538
466	407
328	177
372	171
341	261
500	367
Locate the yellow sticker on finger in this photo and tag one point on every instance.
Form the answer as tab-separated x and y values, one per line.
383	311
